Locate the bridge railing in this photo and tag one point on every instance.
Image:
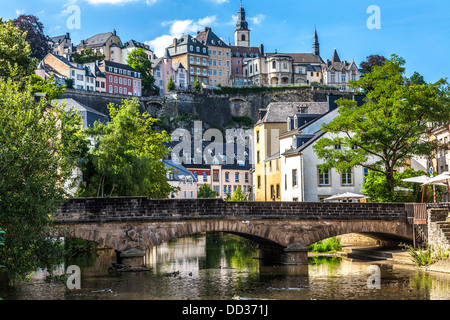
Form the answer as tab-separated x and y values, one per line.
140	208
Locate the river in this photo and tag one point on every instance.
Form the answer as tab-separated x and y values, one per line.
223	267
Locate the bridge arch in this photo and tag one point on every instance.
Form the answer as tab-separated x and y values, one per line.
144	235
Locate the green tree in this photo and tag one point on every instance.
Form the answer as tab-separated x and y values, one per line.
126	160
238	195
197	86
39	148
49	86
87	55
376	187
139	60
390	127
206	191
170	85
15	60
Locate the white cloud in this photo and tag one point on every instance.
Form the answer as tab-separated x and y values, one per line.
119	2
20	12
220	1
109	1
258	19
176	30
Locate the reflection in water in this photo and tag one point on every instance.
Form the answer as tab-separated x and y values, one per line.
221	266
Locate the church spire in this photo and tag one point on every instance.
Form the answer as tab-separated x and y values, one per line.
316	49
241	24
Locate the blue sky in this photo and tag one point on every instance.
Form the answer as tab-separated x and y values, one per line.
416	30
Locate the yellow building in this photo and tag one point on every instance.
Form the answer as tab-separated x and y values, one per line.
219	58
266	153
272	122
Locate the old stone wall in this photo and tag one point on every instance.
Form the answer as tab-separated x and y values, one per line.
214	109
438	219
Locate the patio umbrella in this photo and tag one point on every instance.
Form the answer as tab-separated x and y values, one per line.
347	196
440	179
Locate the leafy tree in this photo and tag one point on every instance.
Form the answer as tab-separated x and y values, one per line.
390	127
376	187
170	85
49	86
69	83
206	191
34	35
15	60
87	56
416	78
238	195
371	61
126	160
139	60
39	148
197	85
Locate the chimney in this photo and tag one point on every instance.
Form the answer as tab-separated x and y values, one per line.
67	35
261	49
114	32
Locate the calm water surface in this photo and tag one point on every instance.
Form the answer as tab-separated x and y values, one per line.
222	266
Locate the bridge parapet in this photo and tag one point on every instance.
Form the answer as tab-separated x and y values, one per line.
142	208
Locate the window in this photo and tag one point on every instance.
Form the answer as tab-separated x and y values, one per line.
257	136
278	191
272	193
243	37
347	178
258	159
324	177
246	177
294	178
115	79
259	182
274	64
337	147
204	50
120	80
195	175
332	79
191	48
198	60
204	177
216	176
80	77
191	59
236	177
366	173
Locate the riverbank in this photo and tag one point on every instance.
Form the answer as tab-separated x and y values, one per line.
386	255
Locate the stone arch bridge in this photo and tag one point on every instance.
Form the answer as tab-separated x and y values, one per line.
131	225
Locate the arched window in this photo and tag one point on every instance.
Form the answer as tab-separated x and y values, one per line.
274	64
243	37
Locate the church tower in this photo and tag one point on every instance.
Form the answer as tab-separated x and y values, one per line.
315	46
242	33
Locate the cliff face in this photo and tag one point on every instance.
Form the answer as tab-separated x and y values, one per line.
214	110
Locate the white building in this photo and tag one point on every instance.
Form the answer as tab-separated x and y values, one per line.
302	180
338	73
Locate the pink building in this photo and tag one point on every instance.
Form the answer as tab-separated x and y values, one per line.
163	69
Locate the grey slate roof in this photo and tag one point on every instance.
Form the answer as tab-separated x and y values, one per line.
279	111
209	38
88	114
303	58
179	170
96	40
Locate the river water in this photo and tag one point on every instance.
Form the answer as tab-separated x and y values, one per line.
222	266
